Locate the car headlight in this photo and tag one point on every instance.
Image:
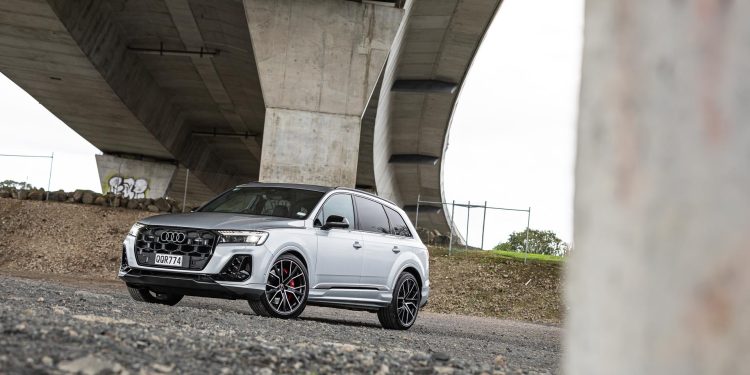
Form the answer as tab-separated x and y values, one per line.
243	236
134	229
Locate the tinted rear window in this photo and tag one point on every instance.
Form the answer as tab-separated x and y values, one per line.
398	225
371	216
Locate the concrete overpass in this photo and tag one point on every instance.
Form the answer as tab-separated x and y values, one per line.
330	92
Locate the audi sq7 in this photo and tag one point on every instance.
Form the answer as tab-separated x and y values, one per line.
282	247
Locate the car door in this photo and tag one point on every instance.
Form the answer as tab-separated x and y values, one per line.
339	260
378	244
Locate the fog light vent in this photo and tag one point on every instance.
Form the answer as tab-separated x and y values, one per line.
238	268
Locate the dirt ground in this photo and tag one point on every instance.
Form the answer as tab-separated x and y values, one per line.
85	241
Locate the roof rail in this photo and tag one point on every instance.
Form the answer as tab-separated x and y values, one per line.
365	192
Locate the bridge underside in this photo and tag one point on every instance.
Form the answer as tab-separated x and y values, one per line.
188	84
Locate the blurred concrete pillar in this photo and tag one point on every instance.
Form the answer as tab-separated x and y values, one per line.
658	282
318	61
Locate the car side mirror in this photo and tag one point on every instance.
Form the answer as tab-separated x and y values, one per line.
335	221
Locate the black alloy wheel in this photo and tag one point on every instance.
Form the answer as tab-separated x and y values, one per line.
402	312
286	289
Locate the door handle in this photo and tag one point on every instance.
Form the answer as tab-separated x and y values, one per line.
357	245
396	249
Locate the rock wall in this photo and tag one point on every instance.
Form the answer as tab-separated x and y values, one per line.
94	198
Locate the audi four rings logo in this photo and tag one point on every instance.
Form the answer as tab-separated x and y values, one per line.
173	237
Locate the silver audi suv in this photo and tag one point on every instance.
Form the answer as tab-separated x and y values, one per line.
282	247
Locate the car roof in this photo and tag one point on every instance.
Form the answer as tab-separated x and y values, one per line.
318	188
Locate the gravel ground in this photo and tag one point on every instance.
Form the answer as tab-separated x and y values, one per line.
67	326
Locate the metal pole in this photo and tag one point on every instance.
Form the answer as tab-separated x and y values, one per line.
450	242
416	220
184	195
49	180
528	222
484	218
468	217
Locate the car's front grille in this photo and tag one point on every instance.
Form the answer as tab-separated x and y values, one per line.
195	245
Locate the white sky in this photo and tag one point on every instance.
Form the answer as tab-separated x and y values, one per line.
512	141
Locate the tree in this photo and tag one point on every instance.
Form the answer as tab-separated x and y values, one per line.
15	184
540	242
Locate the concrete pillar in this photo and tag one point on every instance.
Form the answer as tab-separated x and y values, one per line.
318	62
658	280
134	178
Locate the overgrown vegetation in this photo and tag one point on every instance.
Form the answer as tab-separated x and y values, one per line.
539	242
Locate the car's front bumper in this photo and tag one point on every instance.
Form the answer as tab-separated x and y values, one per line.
186	284
199	282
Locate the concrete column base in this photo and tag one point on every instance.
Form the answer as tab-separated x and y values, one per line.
310	148
133	178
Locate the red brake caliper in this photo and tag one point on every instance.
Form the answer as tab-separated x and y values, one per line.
291	285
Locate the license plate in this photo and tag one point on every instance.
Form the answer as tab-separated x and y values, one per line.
168	260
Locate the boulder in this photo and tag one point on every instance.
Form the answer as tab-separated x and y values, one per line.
162	204
5	193
176	210
78	195
152	208
132	204
23	194
100	200
53	196
117	202
88	197
36	195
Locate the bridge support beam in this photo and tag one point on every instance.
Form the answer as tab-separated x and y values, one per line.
656	281
318	62
134	178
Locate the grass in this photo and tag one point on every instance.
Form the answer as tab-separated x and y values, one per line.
512	255
529	256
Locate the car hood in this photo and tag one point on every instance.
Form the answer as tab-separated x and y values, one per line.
219	220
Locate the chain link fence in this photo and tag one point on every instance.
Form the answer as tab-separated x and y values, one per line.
455	237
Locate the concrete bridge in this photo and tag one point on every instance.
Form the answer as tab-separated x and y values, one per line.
331	92
295	90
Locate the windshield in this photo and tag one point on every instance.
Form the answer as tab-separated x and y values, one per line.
266	201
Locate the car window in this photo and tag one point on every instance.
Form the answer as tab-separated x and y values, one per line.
398	225
372	216
266	201
338	204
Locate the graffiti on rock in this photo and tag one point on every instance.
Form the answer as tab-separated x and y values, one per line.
128	187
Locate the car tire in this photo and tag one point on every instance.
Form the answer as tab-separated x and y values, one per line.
402	312
258	307
145	295
284	297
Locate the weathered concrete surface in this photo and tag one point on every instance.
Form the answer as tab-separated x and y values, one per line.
658	281
438	42
74	58
134	178
318	62
309	147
